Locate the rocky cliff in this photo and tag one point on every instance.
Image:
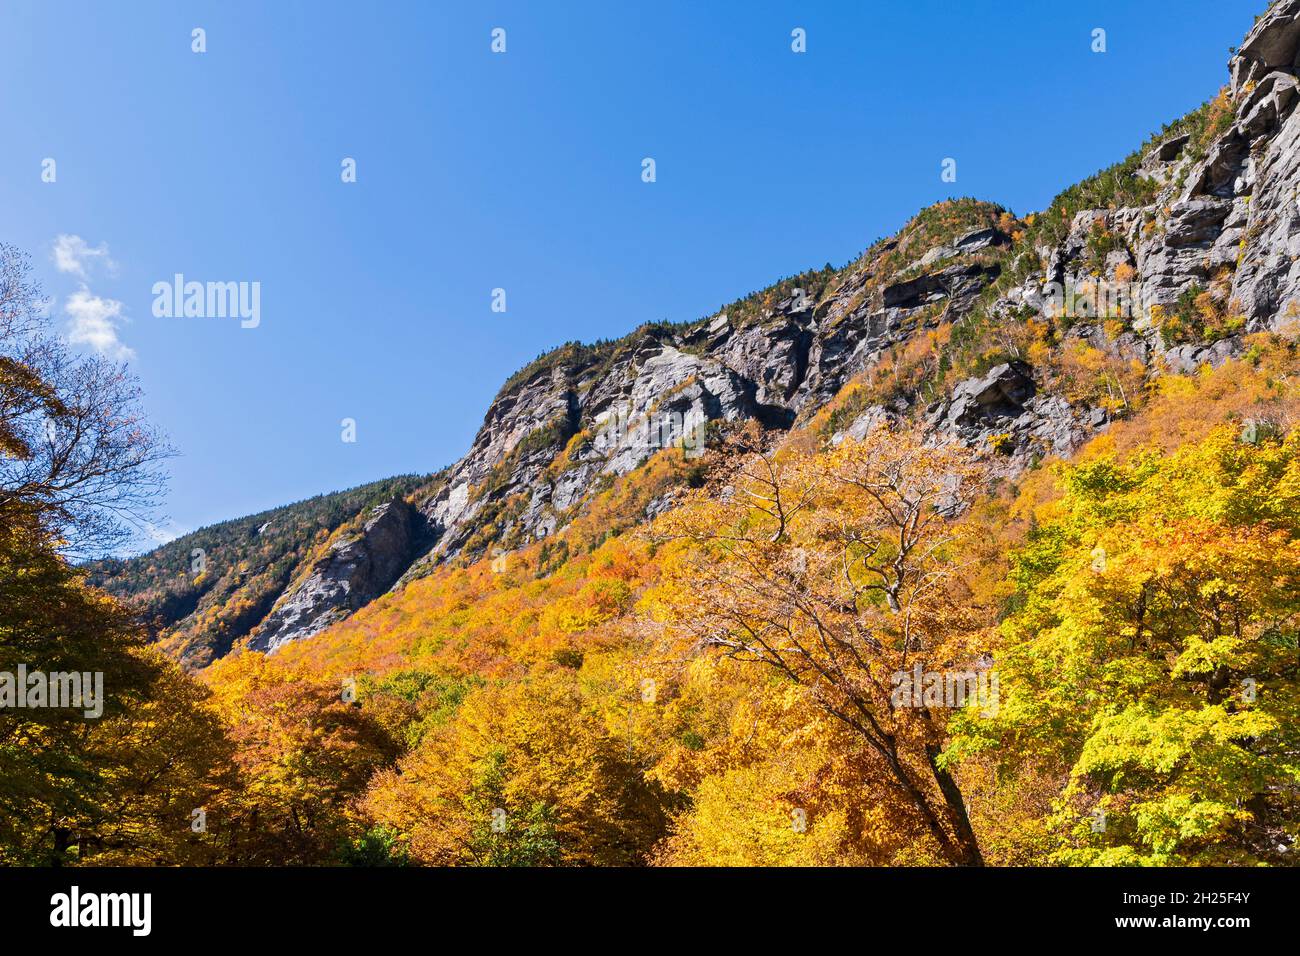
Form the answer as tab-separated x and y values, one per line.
580	413
1198	231
206	591
356	569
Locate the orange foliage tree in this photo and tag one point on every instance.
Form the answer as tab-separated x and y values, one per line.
841	572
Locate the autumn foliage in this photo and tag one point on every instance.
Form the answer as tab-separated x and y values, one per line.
762	675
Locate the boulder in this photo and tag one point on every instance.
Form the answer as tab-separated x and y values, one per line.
1169	150
1000	393
953	282
1196	222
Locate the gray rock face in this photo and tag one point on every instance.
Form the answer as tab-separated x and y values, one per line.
868	421
1225	212
1231	206
1186	359
1168	151
357	569
956	282
1231	211
1270	45
1227	216
663	387
1252	173
1004	412
971	242
1000	394
981	239
655	395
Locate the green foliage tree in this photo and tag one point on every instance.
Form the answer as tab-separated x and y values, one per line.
1152	661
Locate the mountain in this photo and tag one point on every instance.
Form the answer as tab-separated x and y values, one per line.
936	325
204	591
982	549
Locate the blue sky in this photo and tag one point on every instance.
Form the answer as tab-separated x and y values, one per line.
520	171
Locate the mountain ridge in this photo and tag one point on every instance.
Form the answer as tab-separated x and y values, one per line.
930	325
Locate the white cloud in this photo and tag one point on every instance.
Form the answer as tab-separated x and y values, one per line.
94	323
72	254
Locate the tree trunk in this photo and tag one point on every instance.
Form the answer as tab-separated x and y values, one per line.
967	846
